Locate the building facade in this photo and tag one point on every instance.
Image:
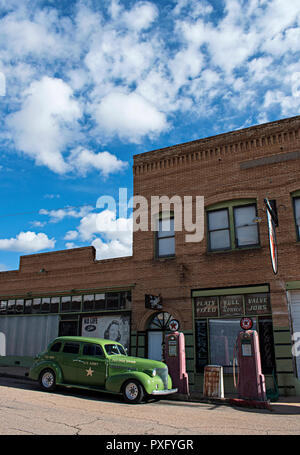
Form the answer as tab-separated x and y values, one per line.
207	285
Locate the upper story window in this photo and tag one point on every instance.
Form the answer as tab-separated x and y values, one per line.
165	238
232	226
297	215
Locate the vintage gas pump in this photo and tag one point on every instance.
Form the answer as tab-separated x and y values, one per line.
251	382
175	359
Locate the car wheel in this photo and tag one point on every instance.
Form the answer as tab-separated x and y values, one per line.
47	380
133	392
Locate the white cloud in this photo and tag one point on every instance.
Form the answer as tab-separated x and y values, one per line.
113	249
27	242
60	214
71	235
141	16
125	72
38	223
84	160
111	236
70	245
129	116
43	126
3	268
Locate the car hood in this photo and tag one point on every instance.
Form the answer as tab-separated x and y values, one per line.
134	362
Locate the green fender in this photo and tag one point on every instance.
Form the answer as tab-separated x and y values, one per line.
115	382
35	372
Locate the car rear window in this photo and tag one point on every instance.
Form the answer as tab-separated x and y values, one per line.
71	348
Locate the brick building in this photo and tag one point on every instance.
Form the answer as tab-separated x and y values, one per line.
207	286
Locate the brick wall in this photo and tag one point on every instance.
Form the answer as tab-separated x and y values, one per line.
256	162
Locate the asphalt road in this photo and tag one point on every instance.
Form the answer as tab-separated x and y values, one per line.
26	410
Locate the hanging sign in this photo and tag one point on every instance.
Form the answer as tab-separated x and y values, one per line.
272	221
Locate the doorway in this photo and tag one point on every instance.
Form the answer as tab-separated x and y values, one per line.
158	327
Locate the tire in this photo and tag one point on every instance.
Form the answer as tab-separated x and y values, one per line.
47	380
133	392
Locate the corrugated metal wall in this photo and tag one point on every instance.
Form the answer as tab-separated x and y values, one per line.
28	335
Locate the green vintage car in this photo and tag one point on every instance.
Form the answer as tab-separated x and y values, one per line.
99	364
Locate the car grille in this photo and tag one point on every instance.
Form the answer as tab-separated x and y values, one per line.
163	373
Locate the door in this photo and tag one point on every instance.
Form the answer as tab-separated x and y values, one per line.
91	366
295	314
158	327
67	361
155	340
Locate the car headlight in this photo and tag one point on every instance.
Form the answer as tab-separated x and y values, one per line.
151	372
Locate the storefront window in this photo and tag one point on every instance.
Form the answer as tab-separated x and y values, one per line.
11	305
88	302
217	325
99	301
222	339
19	306
112	302
76	303
3	306
66	303
28	305
54	304
45	304
36	307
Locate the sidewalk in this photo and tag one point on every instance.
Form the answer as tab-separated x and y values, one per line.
286	405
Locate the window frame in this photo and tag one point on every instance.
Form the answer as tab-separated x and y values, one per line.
160	218
230	206
297	226
250	245
215	230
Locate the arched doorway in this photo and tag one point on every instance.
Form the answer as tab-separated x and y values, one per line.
157	328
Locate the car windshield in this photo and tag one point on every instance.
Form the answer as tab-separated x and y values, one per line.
114	349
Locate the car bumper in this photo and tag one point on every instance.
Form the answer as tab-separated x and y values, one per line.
164	392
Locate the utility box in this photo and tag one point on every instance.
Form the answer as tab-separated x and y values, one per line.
213	386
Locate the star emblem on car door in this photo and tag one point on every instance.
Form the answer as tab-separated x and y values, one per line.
89	372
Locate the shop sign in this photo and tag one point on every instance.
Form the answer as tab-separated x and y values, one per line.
257	304
231	305
206	307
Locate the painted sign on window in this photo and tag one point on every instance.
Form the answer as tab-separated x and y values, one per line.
231	305
257	304
206	307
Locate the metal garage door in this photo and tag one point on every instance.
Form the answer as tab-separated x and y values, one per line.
28	335
295	314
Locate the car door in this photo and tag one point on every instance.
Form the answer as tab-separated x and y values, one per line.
91	365
68	361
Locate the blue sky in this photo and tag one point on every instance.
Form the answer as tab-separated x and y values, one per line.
88	84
